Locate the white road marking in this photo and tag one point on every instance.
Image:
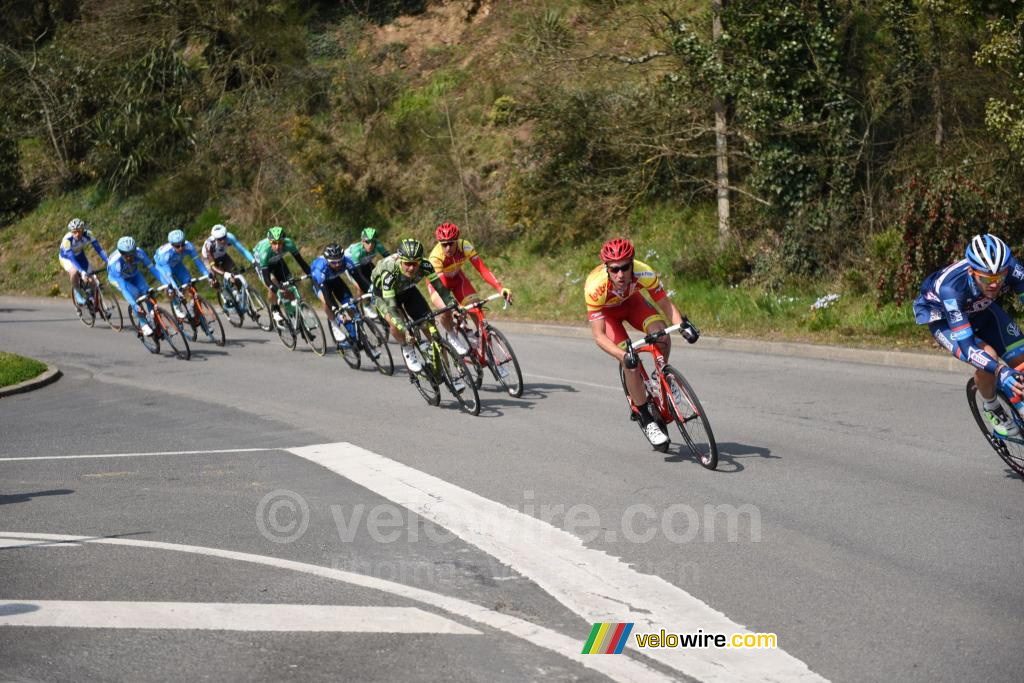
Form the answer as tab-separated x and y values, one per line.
139	455
618	668
591	583
573	381
19	543
216	616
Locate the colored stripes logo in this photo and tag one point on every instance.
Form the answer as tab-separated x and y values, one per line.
607	639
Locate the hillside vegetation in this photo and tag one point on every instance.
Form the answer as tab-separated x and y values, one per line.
866	139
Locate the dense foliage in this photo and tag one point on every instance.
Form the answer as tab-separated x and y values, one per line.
863	136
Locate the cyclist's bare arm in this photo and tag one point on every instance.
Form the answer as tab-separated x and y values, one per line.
670	311
604	341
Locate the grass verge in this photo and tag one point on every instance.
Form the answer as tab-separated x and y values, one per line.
15	368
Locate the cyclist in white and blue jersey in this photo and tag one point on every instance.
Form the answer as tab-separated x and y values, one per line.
123	273
216	256
170	263
326	272
958	303
72	255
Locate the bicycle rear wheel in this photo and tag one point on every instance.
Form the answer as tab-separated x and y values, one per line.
151	342
634	414
1011	451
258	310
690	418
454	370
229	304
502	359
171	330
312	330
210	321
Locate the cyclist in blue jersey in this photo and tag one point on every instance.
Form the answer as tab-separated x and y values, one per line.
72	255
958	303
170	263
326	272
123	273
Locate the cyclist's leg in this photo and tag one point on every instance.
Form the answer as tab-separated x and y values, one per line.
73	272
361	277
131	290
645	317
1005	341
616	331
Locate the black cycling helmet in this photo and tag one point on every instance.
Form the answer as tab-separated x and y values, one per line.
410	250
332	252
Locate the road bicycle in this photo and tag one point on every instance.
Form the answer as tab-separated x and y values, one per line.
238	302
298	319
1010	448
97	304
442	364
672	396
164	326
361	335
488	347
197	313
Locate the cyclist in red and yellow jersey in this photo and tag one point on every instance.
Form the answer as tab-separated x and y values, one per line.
448	257
613	295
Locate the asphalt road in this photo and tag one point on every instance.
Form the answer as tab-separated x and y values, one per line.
856	513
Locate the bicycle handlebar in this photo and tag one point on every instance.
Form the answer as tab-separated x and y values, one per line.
433	314
483	302
689	331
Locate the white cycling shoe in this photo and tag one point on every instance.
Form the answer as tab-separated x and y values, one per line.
412	358
654	434
146	330
457	344
1002	424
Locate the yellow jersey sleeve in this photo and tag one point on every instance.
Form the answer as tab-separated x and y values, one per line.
436	257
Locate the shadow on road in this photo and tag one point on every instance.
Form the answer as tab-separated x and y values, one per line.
25	497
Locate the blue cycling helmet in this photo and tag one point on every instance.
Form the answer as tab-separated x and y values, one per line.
126	245
176	236
987	254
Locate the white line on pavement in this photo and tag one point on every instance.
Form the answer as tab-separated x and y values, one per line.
138	455
617	668
591	583
573	381
217	616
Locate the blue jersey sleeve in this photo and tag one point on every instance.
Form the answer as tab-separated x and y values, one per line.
233	241
144	259
962	333
99	250
190	249
318	271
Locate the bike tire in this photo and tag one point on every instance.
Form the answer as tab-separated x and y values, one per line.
314	335
229	304
453	367
85	312
376	347
431	393
173	333
1010	452
690	417
116	318
285	332
662	448
151	343
350	352
472	359
259	311
210	321
500	354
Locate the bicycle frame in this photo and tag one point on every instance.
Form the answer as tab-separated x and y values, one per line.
476	309
650	345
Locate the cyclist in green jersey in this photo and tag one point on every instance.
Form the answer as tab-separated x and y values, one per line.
395	294
359	258
273	270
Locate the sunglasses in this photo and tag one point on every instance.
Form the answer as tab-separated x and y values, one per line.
334	264
996	277
619	269
448	243
179	246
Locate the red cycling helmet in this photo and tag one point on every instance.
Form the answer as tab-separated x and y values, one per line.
617	249
447	231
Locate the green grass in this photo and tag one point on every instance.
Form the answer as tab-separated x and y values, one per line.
15	369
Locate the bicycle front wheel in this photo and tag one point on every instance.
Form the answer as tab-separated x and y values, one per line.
312	330
348	349
210	321
285	332
85	312
376	347
690	417
503	362
229	304
110	309
151	342
1011	451
259	311
426	384
459	379
171	330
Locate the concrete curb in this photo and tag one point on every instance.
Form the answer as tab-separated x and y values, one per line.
49	376
905	359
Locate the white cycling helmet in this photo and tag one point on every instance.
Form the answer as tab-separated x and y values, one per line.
218	232
126	245
176	236
76	224
987	253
